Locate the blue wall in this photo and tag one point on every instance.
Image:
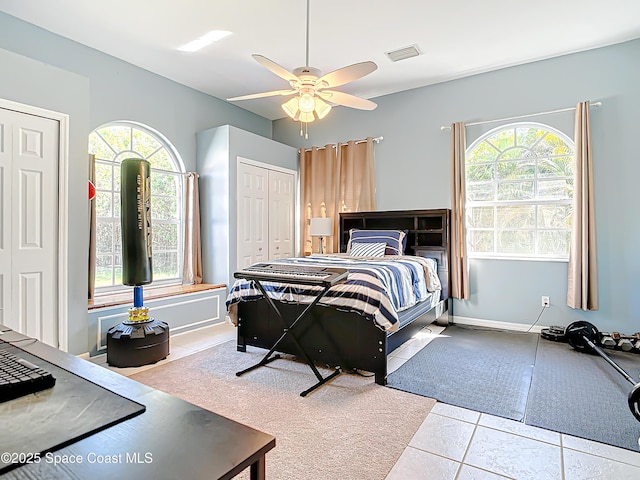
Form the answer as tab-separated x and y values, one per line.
413	171
48	71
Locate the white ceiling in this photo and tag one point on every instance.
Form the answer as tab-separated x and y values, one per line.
457	37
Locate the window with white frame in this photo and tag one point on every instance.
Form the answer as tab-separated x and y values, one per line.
519	185
111	144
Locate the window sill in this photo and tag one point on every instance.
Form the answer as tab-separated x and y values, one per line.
123	298
520	259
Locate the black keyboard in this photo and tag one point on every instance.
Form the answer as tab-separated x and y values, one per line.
304	274
19	377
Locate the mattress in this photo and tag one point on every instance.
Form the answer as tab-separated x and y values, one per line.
379	288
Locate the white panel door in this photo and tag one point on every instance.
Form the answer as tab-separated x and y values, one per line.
253	215
29	245
281	211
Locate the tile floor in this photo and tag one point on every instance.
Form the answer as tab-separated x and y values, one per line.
458	444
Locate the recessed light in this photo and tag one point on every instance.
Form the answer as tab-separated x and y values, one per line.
203	41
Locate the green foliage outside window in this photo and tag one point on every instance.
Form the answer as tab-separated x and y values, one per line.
519	183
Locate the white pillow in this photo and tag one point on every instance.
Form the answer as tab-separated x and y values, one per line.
367	249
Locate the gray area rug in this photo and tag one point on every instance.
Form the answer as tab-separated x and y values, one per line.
582	395
522	377
349	428
474	369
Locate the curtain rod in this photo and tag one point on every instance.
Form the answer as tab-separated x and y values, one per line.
594	104
376	139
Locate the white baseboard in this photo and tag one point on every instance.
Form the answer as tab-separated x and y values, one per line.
479	322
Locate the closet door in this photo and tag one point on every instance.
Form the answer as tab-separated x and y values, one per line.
29	224
253	215
281	212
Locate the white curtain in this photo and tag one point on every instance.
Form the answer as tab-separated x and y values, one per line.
192	262
459	262
582	282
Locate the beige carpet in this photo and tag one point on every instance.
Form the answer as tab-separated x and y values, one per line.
349	428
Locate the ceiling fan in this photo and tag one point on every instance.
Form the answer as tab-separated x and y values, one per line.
314	91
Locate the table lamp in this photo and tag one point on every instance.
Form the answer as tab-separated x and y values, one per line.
321	227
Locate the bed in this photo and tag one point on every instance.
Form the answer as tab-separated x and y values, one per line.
339	331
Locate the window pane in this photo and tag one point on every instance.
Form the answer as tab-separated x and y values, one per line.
103	270
163	208
503	140
515	170
554	242
104	237
480	191
483	172
103	176
516	153
516	216
165	265
555	167
516	191
164	237
99	148
103	204
516	241
116	178
117	270
554	189
481	217
482	153
116	205
143	143
528	136
554	216
117	237
161	160
117	136
163	184
480	241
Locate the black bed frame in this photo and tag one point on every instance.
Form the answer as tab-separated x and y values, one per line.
347	339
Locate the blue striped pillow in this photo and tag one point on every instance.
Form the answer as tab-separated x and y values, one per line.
366	249
392	238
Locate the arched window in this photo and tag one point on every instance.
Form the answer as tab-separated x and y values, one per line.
519	182
111	144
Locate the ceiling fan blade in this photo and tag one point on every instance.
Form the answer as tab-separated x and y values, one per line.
346	74
275	68
341	98
272	93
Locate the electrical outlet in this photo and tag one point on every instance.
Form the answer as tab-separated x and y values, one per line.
545	301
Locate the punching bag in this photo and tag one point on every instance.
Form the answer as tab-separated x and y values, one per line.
135	215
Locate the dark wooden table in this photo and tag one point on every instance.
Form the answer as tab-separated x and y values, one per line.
171	439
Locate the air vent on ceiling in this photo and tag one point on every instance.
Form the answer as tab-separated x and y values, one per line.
403	53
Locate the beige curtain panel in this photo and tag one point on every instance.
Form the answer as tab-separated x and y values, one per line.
582	284
192	261
459	261
92	231
333	179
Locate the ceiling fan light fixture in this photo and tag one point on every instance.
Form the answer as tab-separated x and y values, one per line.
306	117
322	108
290	107
307	103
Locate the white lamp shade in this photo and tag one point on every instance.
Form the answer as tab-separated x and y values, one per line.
321	227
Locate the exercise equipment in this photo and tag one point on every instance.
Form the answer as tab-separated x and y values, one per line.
139	340
583	337
553	333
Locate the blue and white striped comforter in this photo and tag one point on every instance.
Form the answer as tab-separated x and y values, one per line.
378	288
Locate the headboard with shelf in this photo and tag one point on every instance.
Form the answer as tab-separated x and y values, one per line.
427	233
